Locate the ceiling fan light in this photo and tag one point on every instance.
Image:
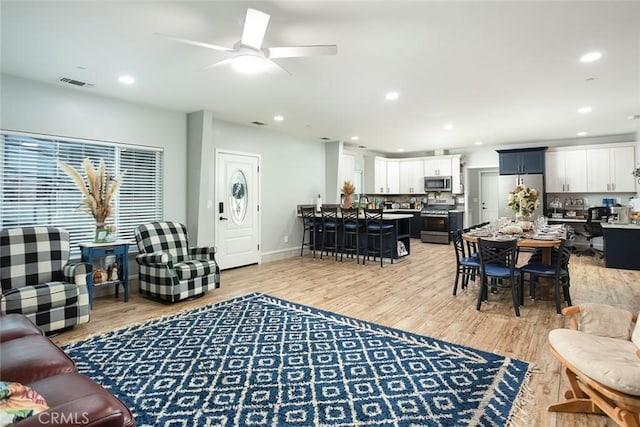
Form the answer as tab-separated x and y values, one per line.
248	64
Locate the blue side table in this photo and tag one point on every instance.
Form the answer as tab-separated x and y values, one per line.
110	265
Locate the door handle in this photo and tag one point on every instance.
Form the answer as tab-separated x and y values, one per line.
223	218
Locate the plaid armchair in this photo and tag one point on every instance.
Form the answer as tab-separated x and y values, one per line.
38	280
169	269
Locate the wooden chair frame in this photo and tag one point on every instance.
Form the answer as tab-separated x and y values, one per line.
589	396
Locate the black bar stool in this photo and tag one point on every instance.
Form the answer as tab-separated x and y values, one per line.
330	226
311	224
377	231
351	227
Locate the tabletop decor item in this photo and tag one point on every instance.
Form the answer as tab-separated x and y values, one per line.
523	201
98	190
348	189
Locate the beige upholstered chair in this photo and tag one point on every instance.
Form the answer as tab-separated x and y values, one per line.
601	358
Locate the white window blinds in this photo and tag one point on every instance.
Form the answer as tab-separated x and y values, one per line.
35	191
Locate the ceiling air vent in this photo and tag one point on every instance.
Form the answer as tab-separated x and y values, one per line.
75	82
258	123
325	138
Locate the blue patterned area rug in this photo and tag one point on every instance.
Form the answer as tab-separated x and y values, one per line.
259	360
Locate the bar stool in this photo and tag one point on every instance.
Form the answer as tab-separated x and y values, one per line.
311	224
351	227
330	227
377	230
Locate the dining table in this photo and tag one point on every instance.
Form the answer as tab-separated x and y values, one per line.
542	240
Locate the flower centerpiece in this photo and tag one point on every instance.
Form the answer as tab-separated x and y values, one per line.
98	190
348	189
523	200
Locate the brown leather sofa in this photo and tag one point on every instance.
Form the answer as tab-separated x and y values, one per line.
30	358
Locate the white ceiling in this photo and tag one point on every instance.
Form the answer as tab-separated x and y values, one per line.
500	72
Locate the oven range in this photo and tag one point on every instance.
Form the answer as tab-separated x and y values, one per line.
437	221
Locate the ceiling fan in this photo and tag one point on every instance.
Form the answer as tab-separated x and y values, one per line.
248	54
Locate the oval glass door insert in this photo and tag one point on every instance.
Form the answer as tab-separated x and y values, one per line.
238	197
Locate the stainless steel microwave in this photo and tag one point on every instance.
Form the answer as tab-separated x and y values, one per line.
437	183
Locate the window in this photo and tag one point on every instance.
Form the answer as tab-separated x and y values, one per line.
35	191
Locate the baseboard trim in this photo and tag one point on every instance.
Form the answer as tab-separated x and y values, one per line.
279	254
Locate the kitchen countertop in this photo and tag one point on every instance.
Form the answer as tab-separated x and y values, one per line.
396	215
625	226
566	219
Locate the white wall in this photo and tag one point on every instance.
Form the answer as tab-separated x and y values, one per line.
33	107
292	172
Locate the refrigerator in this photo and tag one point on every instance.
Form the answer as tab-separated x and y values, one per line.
506	183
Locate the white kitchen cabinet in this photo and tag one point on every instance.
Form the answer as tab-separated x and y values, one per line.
622	161
610	170
393	176
406	176
380	174
437	166
456	175
386	176
566	171
411	176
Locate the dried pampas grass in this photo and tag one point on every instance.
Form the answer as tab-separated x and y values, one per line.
348	188
98	189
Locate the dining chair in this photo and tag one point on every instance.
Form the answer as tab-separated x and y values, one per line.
377	232
498	264
558	270
351	228
467	265
310	225
330	226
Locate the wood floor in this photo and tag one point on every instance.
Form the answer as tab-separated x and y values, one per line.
413	294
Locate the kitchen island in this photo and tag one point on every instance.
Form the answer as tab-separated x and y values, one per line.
621	245
402	232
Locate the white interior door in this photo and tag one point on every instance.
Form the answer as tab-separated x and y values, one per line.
237	209
488	196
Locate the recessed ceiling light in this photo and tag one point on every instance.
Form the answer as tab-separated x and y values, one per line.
581	134
355	138
478	142
392	96
400	150
448	126
278	118
584	110
590	57
126	80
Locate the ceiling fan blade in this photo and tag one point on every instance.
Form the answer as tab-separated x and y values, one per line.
255	26
218	64
195	43
274	68
297	51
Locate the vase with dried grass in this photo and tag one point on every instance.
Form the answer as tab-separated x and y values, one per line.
348	189
98	190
